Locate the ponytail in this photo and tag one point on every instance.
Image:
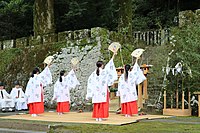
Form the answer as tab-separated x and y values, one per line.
127	68
126	75
61	74
98	64
97	72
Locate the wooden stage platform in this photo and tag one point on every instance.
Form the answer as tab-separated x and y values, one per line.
84	118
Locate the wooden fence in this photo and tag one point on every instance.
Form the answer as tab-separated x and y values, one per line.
156	37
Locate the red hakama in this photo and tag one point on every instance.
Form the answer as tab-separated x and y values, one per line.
62	107
37	107
101	110
129	108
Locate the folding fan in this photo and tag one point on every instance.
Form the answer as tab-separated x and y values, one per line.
74	61
48	60
114	47
137	53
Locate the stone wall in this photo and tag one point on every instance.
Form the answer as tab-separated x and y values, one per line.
88	51
86	45
78	35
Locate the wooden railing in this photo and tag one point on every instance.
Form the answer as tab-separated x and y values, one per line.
155	37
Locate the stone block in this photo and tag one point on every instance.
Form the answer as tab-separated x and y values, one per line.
48	38
22	42
62	36
7	44
35	40
69	35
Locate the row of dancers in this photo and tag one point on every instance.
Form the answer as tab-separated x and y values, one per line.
97	89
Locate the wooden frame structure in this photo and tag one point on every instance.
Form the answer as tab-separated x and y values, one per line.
177	111
142	88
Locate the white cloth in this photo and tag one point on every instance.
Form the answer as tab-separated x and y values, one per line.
6	100
127	89
19	98
35	85
97	85
62	89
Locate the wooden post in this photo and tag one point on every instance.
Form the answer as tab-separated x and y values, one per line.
189	100
171	101
140	104
176	98
164	99
183	100
145	89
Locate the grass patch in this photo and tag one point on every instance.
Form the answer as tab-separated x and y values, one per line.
169	125
140	127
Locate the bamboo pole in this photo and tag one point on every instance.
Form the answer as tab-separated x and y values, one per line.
145	89
177	98
140	104
183	100
171	101
164	99
189	100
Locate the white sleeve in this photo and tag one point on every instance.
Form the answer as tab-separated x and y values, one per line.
140	77
111	72
28	87
12	93
90	86
55	92
22	93
46	76
6	94
71	79
136	75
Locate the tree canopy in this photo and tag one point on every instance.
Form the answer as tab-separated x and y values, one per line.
17	15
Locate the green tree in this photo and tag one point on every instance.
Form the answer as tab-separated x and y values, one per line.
186	50
125	17
16	18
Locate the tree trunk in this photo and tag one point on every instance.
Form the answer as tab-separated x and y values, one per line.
44	17
125	17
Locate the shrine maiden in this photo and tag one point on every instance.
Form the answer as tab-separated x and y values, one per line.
35	90
6	101
19	97
97	88
62	90
127	89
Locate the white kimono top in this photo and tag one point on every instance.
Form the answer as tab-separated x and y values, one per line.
35	85
127	89
5	94
17	92
62	89
97	86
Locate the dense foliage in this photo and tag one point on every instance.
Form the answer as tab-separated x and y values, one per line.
17	15
186	50
16	18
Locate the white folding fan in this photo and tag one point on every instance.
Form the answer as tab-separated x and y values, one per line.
49	59
74	61
114	46
137	53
